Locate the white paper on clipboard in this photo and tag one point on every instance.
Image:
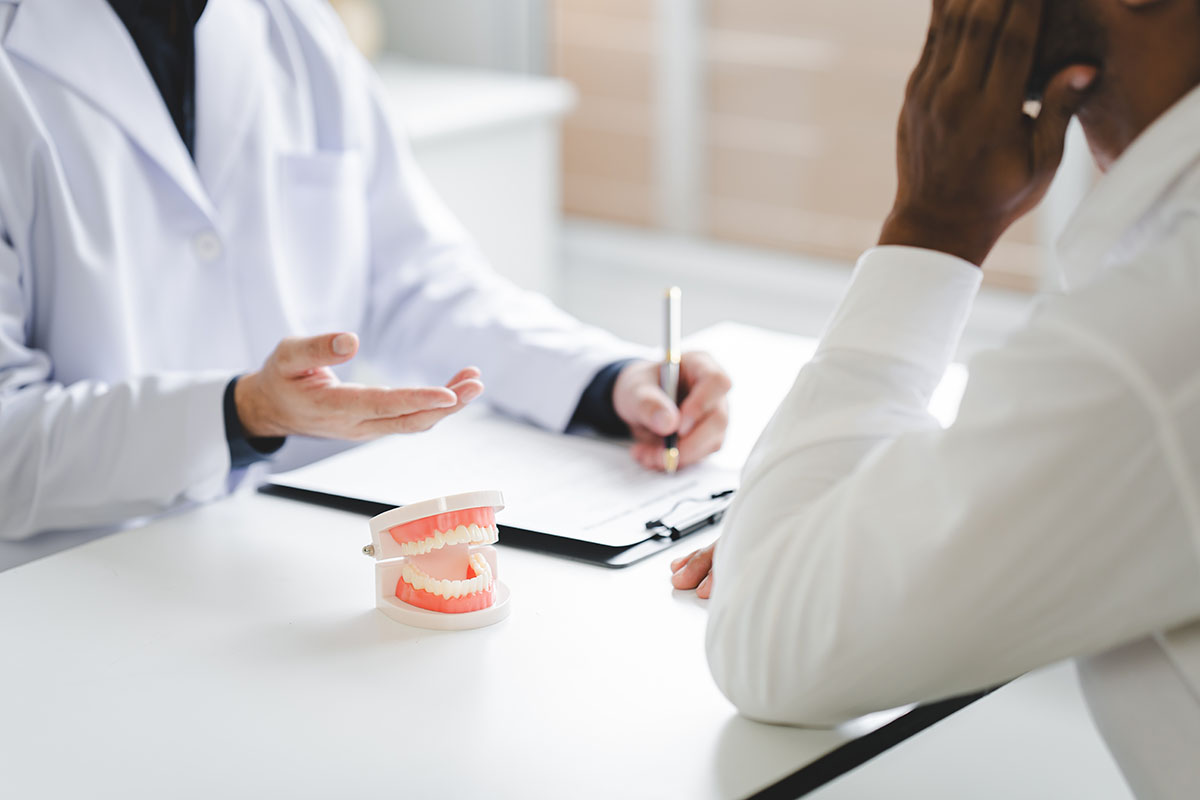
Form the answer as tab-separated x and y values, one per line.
575	487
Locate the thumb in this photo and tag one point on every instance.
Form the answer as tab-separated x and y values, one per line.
296	355
1062	98
653	410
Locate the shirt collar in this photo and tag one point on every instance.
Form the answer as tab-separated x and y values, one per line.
1130	190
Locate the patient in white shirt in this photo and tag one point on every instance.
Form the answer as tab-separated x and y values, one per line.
872	558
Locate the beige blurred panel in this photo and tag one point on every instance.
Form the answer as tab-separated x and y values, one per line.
607	175
613	155
789	228
838	91
600	198
1012	264
850	174
803	101
622	9
618	39
868	21
599	72
605	49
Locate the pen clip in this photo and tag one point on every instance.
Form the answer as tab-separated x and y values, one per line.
675	524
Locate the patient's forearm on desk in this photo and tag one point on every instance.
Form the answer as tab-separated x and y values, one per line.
941	564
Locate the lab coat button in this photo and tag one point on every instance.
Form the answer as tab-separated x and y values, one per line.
207	246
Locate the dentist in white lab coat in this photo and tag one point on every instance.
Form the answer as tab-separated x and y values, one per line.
149	257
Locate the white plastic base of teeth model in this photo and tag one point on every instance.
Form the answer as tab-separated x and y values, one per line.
402	612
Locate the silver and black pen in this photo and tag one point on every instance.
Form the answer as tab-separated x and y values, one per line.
669	374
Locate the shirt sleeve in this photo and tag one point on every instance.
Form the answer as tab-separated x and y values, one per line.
596	409
873	559
244	449
91	453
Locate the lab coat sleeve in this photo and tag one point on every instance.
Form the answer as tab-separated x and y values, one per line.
92	454
873	559
436	305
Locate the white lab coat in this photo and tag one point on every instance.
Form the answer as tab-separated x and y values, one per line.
135	283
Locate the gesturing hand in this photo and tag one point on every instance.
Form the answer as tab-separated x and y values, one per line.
971	161
700	420
295	392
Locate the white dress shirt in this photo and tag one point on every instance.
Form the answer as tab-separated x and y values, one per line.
874	559
135	282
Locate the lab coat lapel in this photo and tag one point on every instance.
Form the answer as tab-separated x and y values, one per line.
231	47
85	46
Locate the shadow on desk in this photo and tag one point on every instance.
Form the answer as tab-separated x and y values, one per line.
733	752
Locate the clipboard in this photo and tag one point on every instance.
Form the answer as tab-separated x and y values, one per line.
573	496
574	549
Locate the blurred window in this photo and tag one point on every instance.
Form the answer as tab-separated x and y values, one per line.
778	130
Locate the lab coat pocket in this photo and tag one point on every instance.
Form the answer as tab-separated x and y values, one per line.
324	241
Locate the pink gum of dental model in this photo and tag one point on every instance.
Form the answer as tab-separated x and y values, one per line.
476	601
421	529
426	562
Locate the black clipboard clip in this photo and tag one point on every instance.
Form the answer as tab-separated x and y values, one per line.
690	515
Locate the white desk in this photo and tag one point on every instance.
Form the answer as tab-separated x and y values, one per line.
1032	739
234	650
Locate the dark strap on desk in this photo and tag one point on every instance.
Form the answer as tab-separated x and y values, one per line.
857	752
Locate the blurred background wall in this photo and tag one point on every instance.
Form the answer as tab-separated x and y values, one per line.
741	148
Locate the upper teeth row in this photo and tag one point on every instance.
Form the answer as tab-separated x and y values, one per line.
463	534
419	579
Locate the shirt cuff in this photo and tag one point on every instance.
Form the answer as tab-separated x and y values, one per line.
596	409
245	450
905	303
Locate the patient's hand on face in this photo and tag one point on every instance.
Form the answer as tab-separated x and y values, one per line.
694	571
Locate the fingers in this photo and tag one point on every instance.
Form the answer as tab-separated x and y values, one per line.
467	390
413	423
649	454
463	374
700	420
653	410
369	402
705	439
946	41
1063	97
979	29
464	392
298	355
923	63
707	388
703	416
694	570
1015	50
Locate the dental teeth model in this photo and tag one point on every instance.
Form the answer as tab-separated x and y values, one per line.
436	567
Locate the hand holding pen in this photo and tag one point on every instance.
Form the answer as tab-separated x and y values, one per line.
697	419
